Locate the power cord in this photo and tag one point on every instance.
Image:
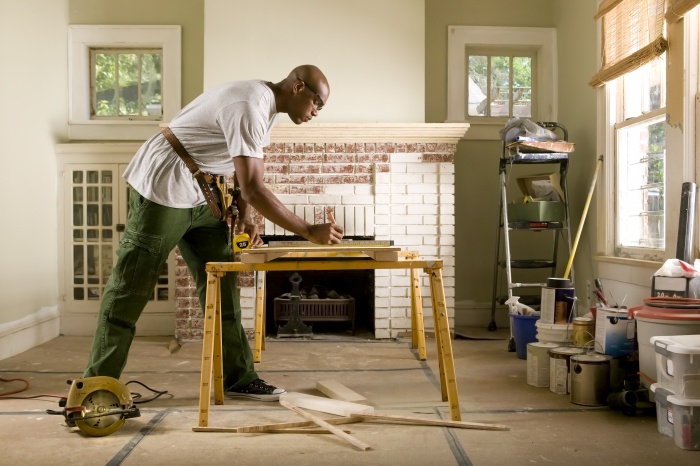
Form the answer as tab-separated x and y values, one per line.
137	396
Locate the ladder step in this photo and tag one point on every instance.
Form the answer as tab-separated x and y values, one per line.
530	264
536	225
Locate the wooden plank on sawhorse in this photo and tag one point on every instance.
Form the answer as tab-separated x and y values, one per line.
339	251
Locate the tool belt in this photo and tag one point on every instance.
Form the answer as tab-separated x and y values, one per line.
220	198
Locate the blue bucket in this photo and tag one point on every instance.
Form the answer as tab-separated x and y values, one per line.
524	332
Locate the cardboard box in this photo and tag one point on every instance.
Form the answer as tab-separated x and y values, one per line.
538	211
614	331
675	287
544	186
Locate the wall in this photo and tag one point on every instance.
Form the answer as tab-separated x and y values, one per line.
33	96
476	161
371	51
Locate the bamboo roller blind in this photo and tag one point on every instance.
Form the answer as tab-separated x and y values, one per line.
678	8
632	36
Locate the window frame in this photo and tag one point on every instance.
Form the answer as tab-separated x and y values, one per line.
682	118
542	40
81	38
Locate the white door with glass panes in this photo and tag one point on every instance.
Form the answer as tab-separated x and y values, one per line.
96	211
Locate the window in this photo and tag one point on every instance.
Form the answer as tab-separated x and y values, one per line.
126	84
495	73
640	151
504	76
118	78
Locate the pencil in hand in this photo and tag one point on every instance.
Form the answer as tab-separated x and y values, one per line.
329	215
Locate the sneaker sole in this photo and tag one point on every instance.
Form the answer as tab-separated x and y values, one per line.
253	396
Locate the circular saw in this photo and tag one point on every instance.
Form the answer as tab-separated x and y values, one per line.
98	406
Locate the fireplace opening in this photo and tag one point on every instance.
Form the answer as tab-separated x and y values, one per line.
332	302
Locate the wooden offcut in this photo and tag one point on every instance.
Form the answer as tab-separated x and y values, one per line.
325	405
337	391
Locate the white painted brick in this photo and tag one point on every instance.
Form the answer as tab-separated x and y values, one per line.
429	240
410	219
448	199
445	178
397	230
340	189
382	199
448	282
447	229
382	230
381	292
422	188
398	158
381	273
398	313
382	209
447	219
326	199
381	323
430	220
382	333
429	230
400	302
402	284
397	189
403	178
399	209
397	168
364	190
381	281
400	292
401	323
409	241
447	188
382	302
447	168
421	168
382	178
431	178
430	199
419	209
358	200
406	199
382	189
447	240
292	199
382	313
428	251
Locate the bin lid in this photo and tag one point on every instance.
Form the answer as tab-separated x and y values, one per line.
679	344
658	313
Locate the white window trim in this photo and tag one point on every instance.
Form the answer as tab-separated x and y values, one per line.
545	42
80	39
681	152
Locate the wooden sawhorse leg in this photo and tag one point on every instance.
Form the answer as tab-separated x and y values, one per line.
211	350
417	324
448	378
259	335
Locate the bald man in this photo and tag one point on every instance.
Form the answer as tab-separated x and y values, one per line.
224	130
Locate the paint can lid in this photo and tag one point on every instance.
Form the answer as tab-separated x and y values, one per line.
558	283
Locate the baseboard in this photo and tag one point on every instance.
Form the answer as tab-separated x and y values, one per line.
472	314
148	325
30	331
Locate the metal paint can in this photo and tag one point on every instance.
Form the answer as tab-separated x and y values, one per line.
590	379
557	301
538	363
582	334
559	360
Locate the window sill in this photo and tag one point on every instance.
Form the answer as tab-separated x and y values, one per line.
113	131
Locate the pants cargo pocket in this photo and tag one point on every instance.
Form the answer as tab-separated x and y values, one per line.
139	263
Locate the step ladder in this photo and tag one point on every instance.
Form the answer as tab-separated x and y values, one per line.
528	287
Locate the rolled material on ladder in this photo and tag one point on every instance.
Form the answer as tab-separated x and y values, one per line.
686	221
583	217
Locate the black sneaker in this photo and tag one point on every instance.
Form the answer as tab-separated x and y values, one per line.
257	390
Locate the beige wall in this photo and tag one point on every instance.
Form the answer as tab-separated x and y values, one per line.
476	162
371	51
33	84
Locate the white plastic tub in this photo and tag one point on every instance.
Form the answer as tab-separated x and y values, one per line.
678	364
553	333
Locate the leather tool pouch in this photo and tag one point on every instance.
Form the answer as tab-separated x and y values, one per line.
220	198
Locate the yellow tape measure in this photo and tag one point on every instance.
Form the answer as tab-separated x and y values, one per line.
241	242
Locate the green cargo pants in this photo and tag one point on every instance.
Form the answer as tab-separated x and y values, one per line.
152	231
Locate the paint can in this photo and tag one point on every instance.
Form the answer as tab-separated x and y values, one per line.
590	379
559	360
583	334
538	363
557	301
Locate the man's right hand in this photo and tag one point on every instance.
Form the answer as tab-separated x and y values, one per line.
326	233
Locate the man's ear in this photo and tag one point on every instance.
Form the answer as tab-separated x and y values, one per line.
298	86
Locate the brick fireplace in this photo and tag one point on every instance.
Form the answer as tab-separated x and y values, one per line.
386	181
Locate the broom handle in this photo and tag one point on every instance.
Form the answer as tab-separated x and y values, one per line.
583	217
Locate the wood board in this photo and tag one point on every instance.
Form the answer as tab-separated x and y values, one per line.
542	146
340	251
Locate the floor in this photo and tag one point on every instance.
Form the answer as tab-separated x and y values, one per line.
544	428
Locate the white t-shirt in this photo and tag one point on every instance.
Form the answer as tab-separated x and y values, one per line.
231	120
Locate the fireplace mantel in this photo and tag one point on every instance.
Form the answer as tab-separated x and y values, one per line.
369	132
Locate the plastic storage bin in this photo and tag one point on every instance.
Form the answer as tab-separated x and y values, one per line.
678	364
685	417
523	333
664	416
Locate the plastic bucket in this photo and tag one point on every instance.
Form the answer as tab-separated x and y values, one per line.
523	333
553	333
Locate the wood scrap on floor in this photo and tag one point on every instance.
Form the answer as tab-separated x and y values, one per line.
326	405
337	391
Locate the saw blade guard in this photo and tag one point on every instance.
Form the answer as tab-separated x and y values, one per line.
99	406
